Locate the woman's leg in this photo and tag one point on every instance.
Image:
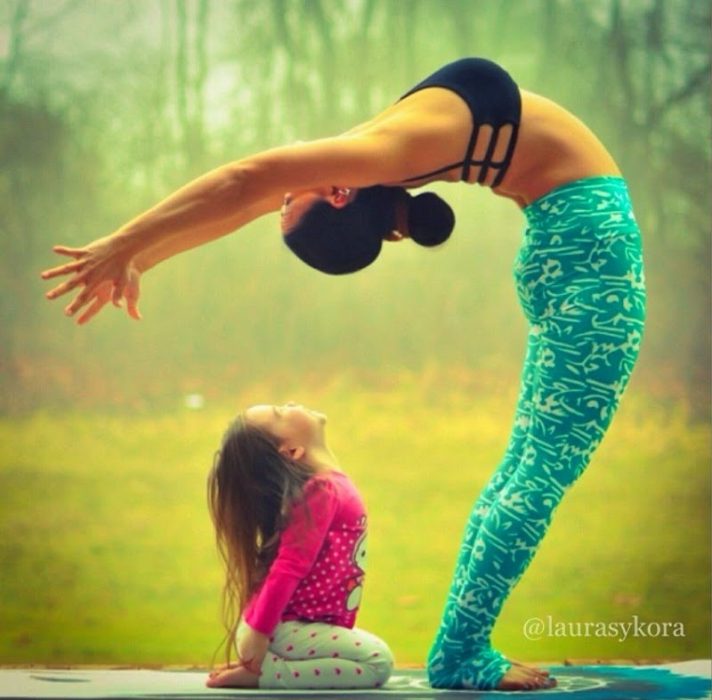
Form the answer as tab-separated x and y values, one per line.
510	461
589	321
320	656
570	423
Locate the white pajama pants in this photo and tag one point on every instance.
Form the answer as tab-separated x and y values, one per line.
315	655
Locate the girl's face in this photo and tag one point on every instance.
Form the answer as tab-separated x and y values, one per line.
292	424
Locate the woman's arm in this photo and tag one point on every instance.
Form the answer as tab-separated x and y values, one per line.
203	210
212	206
262	182
192	238
145	260
417	134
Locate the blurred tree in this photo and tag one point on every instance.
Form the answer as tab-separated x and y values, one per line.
191	75
657	92
16	30
39	157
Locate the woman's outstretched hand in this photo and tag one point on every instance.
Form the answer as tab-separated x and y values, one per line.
105	271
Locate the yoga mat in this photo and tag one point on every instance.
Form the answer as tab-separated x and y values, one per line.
689	680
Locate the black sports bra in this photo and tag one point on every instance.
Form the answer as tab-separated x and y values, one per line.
494	100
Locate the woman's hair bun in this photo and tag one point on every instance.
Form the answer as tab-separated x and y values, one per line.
430	219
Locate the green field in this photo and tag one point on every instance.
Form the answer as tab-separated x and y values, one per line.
107	555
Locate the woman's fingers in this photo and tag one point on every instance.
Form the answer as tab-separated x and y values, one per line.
63	269
99	296
134	312
118	292
75	305
97	305
65	250
132	292
65	287
126	288
101	279
82	299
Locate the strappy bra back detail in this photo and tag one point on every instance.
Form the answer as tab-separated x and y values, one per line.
496	106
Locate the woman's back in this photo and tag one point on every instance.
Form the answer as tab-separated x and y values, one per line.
554	147
433	127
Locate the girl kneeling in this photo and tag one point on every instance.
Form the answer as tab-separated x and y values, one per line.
291	528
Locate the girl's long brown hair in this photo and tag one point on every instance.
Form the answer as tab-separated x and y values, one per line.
251	488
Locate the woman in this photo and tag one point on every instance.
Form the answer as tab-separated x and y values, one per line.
579	277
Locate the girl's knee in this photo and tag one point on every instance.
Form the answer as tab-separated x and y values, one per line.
381	662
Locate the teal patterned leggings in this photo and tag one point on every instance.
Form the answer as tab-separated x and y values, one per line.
580	281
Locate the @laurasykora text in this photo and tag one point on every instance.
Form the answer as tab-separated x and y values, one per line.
536	628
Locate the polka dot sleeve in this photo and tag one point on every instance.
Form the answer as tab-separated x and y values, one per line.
299	547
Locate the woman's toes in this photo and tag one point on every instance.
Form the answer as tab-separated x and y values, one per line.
520	677
540	671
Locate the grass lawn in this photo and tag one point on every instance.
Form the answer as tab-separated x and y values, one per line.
107	555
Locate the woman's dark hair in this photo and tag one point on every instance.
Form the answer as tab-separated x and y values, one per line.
339	241
251	489
430	219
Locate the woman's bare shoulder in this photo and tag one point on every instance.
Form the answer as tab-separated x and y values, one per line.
426	131
418	134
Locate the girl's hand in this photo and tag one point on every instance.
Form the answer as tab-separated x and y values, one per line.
252	648
232	676
107	272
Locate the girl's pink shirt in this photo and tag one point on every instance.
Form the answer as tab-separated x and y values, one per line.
317	574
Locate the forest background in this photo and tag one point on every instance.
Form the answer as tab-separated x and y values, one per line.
107	431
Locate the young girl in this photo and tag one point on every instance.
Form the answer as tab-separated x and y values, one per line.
291	528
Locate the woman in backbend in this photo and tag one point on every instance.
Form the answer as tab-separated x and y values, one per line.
579	276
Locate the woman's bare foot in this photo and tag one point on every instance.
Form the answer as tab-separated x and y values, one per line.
521	677
233	677
542	671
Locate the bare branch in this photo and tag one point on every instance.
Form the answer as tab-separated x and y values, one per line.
17	35
42	24
696	81
619	38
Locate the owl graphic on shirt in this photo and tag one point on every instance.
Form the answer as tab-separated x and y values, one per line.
354	586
